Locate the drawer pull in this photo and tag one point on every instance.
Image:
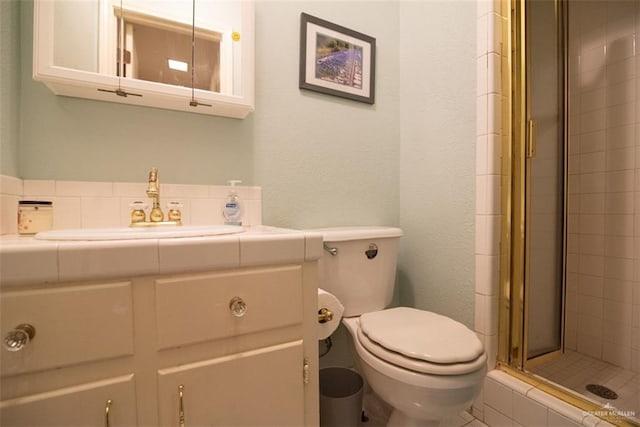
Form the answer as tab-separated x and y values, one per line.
107	407
237	306
16	339
181	405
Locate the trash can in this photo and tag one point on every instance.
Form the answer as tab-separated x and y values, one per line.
340	397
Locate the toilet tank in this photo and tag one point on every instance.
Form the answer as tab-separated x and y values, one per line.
359	266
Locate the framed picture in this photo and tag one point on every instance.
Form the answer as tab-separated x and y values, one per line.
336	60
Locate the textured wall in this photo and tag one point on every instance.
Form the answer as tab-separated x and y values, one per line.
9	86
437	177
323	160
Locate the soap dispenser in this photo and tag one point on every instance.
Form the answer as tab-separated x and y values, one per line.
232	209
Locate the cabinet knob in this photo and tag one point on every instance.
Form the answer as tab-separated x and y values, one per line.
237	306
20	336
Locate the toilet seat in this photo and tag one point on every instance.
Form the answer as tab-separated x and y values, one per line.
421	341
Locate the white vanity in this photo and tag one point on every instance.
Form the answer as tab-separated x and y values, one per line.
213	330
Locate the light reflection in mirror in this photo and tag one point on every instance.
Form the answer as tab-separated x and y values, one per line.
151	33
150	42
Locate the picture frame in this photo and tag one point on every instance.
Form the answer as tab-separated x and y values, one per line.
336	60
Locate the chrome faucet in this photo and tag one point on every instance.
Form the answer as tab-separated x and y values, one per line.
153	192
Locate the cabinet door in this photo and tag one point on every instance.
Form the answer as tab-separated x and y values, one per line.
73	324
256	388
81	405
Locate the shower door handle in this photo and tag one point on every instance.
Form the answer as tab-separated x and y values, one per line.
531	139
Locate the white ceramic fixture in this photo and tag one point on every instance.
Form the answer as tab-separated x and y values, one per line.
428	367
127	233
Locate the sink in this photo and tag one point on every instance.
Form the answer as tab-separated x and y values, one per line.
125	233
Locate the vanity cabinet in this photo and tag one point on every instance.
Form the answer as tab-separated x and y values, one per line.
244	385
224	347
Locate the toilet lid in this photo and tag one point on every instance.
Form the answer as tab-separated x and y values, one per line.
422	335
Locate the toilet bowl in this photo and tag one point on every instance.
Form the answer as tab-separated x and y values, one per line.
417	397
428	367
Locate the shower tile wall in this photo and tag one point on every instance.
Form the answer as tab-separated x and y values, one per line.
492	111
603	281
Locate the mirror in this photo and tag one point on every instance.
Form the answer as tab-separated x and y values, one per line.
191	55
159	51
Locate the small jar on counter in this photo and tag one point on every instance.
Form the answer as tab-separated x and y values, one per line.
34	216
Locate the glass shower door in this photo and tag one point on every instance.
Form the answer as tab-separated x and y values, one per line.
545	182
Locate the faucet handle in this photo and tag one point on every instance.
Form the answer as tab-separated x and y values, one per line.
138	211
174	213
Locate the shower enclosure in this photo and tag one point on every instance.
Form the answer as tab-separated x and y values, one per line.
571	280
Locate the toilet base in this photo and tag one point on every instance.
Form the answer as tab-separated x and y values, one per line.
400	419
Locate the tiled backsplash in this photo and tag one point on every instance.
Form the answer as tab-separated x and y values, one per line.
78	204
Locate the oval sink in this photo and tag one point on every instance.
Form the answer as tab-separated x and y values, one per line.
125	233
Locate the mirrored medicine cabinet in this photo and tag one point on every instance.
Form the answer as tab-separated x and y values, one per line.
188	55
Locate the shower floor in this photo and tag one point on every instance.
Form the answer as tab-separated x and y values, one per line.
574	371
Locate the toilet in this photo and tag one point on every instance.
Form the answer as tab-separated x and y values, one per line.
428	367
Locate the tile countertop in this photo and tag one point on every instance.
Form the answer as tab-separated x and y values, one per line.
27	261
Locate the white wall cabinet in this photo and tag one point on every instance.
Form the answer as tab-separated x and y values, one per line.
227	347
123	51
